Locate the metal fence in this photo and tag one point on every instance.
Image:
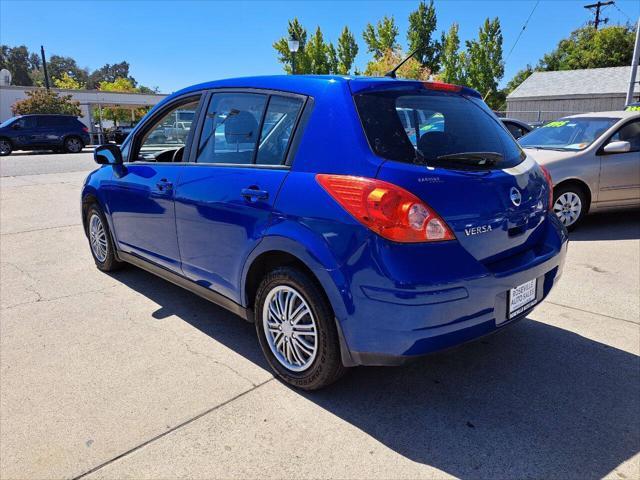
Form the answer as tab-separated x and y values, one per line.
542	116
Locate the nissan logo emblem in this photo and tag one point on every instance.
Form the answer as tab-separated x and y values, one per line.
515	196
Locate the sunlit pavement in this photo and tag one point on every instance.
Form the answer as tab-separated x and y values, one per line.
128	376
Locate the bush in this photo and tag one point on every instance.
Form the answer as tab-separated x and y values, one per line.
46	101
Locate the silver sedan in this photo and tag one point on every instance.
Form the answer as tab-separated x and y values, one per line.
594	161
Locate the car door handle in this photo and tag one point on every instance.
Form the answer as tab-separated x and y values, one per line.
254	193
164	185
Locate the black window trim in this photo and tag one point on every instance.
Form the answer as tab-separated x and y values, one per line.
134	143
296	133
191	154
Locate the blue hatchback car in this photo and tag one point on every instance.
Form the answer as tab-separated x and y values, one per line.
321	209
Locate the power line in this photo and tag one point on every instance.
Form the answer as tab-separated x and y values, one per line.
623	12
522	31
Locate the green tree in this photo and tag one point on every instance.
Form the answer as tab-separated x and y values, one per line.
381	38
484	67
347	51
110	73
422	25
297	31
67	82
317	56
332	58
518	78
59	66
117	114
411	69
452	60
43	101
16	60
587	47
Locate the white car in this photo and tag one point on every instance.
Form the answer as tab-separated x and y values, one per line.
594	161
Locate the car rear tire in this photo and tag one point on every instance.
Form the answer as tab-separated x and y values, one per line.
100	241
5	147
73	145
296	330
570	205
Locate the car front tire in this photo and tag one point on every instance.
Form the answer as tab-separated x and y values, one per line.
5	147
100	241
570	205
296	330
73	145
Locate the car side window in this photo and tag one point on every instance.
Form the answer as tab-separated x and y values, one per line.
26	122
279	122
165	139
514	129
231	128
629	133
49	121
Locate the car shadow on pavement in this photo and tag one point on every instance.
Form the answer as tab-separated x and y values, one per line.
534	401
621	225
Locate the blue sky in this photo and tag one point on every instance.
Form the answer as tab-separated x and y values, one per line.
171	44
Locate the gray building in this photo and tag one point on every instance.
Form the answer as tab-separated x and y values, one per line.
545	96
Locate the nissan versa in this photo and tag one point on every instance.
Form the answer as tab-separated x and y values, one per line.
355	221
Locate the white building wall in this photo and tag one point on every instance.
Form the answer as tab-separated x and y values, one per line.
87	98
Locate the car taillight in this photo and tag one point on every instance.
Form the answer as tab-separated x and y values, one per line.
441	86
547	177
387	209
85	129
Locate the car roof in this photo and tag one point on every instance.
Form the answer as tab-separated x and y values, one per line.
310	84
620	114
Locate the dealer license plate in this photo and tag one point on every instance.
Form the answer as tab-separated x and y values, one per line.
522	298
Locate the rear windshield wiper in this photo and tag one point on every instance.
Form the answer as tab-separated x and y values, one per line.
475	159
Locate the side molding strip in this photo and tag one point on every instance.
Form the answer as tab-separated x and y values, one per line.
187	284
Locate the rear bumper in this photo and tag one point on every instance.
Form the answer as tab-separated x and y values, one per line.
423	298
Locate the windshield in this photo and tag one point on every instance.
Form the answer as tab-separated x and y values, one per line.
567	133
8	122
446	130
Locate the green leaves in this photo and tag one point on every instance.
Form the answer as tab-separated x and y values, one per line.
43	101
420	35
314	54
484	67
347	51
381	38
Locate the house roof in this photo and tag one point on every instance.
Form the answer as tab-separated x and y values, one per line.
593	81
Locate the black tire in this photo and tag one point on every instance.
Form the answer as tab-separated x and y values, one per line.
5	147
109	263
327	366
73	144
567	192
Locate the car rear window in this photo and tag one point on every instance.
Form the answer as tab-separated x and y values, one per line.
422	126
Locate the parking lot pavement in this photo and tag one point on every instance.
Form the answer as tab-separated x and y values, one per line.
128	376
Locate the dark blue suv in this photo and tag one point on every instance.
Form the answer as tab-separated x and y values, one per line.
43	132
355	221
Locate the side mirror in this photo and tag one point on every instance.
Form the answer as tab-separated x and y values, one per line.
617	147
107	155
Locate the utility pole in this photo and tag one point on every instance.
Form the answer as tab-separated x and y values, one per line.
44	67
634	66
598	6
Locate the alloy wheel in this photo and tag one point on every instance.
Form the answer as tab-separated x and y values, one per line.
290	328
74	145
98	238
5	147
568	208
